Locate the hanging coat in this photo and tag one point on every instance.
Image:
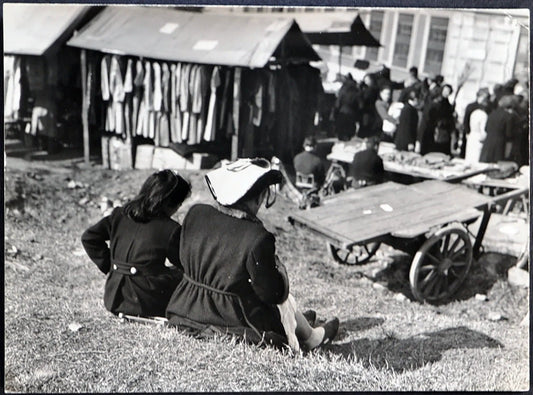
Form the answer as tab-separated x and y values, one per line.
128	89
184	101
137	95
209	133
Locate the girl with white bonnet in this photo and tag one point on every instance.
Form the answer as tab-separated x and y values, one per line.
233	281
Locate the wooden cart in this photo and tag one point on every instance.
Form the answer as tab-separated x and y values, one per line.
428	220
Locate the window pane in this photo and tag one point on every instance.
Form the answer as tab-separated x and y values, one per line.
403	40
438	30
376	24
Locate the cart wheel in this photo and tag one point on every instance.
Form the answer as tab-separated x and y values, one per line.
357	255
440	266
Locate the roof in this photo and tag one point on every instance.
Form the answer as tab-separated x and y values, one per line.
172	35
31	29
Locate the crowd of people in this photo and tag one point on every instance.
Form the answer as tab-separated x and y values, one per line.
218	272
423	118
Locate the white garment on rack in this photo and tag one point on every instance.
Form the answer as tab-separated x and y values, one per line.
209	134
158	93
14	88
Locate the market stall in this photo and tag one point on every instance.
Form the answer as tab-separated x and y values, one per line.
411	165
197	83
41	74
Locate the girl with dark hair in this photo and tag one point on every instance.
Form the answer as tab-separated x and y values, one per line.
142	237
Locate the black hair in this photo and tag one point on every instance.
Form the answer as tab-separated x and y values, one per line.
413	94
414	71
162	190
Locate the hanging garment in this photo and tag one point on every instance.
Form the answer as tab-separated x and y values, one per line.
116	88
148	99
104	77
128	89
184	100
174	109
158	93
14	87
164	129
209	133
205	78
193	117
257	104
137	95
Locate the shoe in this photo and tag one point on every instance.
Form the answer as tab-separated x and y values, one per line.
330	330
310	316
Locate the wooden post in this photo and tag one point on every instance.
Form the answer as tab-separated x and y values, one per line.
236	108
85	106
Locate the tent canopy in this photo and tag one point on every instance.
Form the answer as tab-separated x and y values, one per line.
358	34
172	35
32	29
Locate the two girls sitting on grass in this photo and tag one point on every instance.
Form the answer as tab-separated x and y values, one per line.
230	279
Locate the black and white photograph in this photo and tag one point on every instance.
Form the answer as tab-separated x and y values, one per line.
288	197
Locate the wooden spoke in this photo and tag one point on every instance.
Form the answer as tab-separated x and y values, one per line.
454	245
445	243
426	279
428	267
433	258
457	253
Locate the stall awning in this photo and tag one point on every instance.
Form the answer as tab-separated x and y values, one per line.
162	33
31	29
345	28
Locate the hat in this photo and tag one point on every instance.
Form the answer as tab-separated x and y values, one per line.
229	183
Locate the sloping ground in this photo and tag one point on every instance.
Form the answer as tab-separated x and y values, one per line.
386	340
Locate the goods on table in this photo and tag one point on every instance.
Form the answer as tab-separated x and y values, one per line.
434	165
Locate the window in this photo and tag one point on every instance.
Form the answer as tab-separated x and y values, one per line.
403	40
376	24
438	30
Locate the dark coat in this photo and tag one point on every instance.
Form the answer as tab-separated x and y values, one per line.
435	113
367	166
499	129
347	109
231	278
407	127
368	127
142	246
310	163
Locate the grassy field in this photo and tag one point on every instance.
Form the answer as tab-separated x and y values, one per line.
59	337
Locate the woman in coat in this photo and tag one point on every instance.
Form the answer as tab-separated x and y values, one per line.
142	236
437	124
405	136
477	134
233	281
500	125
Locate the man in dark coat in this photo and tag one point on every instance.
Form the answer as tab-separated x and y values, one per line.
233	280
347	108
500	129
308	162
405	136
367	167
437	124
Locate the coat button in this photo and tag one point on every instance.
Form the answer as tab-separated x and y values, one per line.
133	270
115	267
